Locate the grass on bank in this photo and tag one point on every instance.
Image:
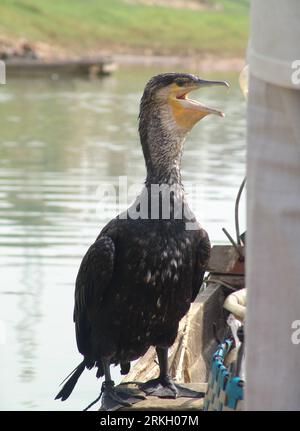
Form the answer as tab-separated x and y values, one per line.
83	25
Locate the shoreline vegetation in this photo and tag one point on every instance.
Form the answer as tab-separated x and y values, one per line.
206	34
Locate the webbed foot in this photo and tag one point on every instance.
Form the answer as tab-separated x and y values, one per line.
116	397
164	387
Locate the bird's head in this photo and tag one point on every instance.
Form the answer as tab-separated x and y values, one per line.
167	114
169	91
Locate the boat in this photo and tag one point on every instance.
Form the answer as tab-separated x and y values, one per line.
54	69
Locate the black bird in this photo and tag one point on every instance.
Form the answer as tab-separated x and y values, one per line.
145	268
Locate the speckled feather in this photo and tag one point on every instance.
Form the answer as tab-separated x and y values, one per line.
134	285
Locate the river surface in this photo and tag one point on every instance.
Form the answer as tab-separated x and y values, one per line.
62	141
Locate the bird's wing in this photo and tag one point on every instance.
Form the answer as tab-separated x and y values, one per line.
202	257
93	280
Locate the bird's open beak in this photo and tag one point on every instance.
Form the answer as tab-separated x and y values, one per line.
195	106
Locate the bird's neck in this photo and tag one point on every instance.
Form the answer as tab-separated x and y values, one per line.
162	145
162	142
164	172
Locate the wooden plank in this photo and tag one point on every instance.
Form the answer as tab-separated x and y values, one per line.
224	259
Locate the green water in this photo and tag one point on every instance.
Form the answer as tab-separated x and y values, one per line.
59	141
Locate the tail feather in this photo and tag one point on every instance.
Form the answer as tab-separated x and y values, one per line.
68	387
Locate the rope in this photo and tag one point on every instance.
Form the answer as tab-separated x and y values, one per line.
94	402
220	281
99	397
237	202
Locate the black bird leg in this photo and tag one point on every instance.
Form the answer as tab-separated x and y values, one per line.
115	397
163	386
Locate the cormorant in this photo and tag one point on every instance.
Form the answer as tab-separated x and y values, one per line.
146	267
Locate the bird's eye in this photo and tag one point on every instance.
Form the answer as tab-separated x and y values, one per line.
180	82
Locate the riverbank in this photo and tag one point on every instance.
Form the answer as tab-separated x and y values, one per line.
127	27
204	64
22	53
